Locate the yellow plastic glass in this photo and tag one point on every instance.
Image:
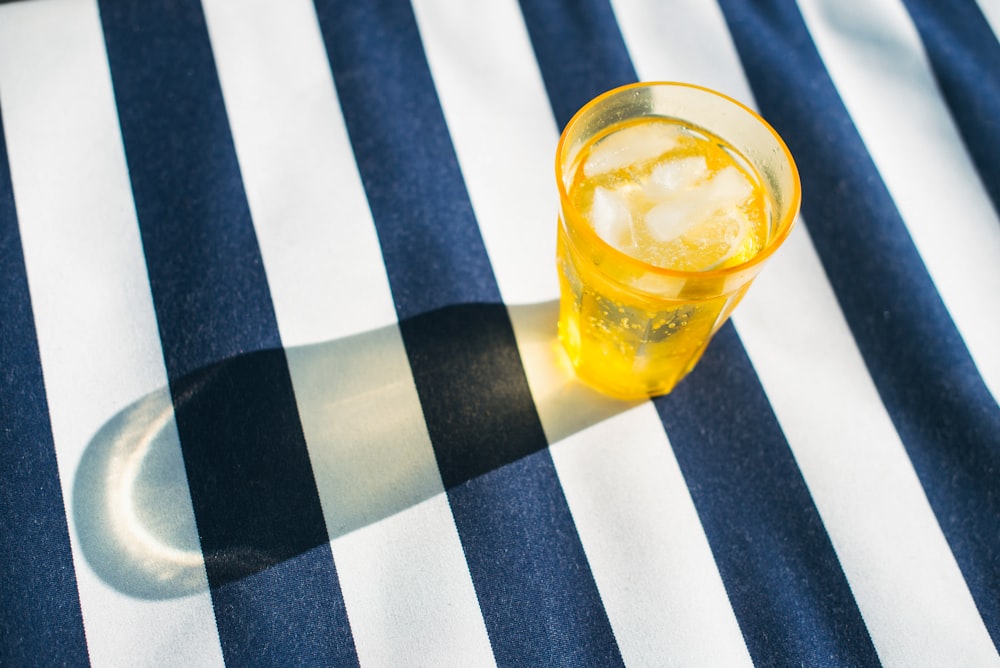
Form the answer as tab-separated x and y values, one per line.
633	329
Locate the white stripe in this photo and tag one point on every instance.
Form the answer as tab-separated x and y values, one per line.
646	545
481	56
99	345
876	59
647	551
915	603
991	10
408	592
310	213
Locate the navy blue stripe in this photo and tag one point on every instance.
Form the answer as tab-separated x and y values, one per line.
946	417
965	56
427	230
40	618
274	586
537	594
784	580
782	575
595	59
580	51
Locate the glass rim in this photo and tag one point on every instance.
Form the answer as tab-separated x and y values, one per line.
581	227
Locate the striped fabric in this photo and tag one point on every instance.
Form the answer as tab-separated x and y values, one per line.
278	374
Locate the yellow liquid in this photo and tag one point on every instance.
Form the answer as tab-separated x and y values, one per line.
672	196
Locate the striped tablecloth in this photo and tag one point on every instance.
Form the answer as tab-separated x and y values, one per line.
278	374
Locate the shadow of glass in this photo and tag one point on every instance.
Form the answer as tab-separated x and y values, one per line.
131	499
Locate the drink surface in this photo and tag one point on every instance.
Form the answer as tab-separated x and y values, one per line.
669	195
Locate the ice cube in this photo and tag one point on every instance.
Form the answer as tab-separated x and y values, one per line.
632	145
734	229
611	218
676	215
679	211
730	188
673	175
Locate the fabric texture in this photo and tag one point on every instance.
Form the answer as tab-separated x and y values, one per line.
279	377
